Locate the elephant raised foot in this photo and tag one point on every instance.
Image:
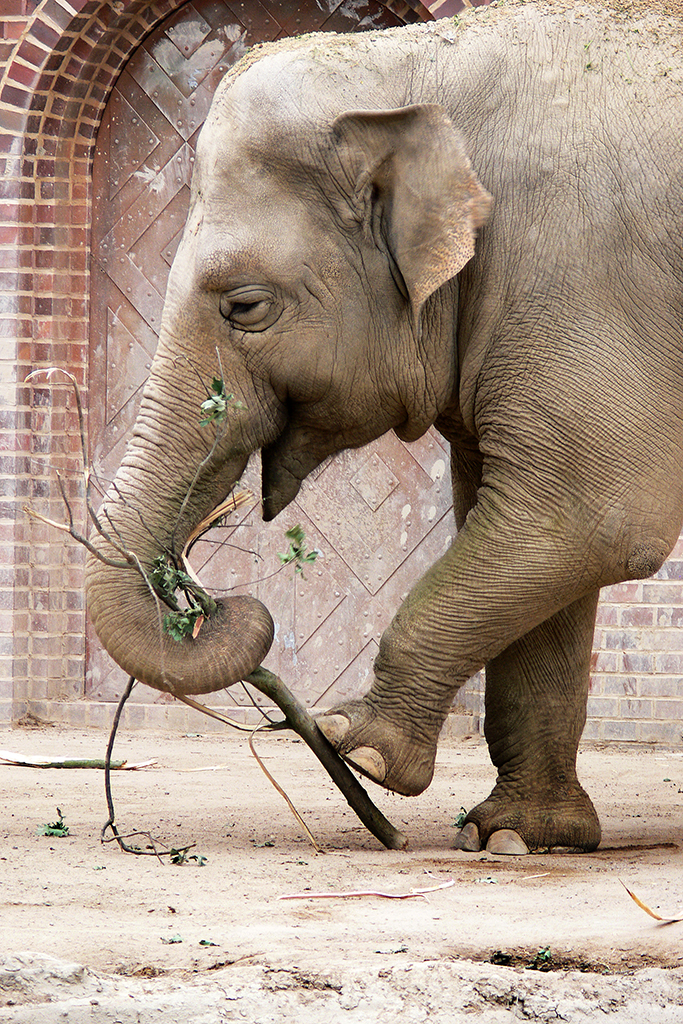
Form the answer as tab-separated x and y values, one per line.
400	759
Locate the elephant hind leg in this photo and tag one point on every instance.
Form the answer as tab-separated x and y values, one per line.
536	693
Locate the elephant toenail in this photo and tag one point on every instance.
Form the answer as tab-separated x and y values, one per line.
506	841
369	761
467	839
333	727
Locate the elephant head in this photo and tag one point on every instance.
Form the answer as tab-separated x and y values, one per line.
309	278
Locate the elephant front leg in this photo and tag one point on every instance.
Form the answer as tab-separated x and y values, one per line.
536	693
524	583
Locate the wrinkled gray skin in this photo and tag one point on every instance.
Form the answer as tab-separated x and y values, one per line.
344	256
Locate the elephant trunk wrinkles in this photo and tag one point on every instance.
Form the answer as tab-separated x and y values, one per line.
149	511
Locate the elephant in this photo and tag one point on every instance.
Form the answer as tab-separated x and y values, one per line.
474	225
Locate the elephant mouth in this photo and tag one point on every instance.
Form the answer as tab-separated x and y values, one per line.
279	484
287	461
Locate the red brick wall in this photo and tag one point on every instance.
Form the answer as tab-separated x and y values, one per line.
58	63
59	60
637	681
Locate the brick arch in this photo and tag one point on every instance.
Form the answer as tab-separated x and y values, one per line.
59	64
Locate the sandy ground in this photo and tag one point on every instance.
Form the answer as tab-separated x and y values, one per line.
91	934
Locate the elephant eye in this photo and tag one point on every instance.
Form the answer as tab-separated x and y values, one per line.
251	309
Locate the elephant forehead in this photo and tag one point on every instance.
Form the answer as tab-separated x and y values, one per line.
237	244
251	168
260	111
278	85
281	103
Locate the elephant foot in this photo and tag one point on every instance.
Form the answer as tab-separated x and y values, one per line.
516	827
503	841
378	748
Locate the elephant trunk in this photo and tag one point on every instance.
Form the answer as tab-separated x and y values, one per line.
171	478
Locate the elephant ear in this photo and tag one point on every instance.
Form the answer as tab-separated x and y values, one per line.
411	162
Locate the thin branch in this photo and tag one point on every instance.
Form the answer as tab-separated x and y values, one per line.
131	559
138	513
212	713
315	845
234	501
368	892
250	583
226	543
66	502
115	563
186	359
275	725
110	823
73	384
220	433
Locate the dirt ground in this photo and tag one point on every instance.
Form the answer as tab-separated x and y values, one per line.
91	934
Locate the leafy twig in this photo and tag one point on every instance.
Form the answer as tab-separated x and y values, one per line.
220	433
297	552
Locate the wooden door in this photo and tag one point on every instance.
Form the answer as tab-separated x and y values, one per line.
378	516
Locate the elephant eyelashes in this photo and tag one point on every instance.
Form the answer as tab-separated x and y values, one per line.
249	310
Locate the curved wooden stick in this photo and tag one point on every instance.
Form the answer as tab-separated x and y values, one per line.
302	723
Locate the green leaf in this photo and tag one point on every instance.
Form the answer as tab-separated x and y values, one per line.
297	552
182	857
460	818
181	624
54	828
166	579
215	407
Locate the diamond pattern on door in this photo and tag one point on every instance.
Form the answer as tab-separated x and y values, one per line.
378	516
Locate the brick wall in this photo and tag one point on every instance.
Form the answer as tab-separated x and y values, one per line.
58	63
637	680
59	60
